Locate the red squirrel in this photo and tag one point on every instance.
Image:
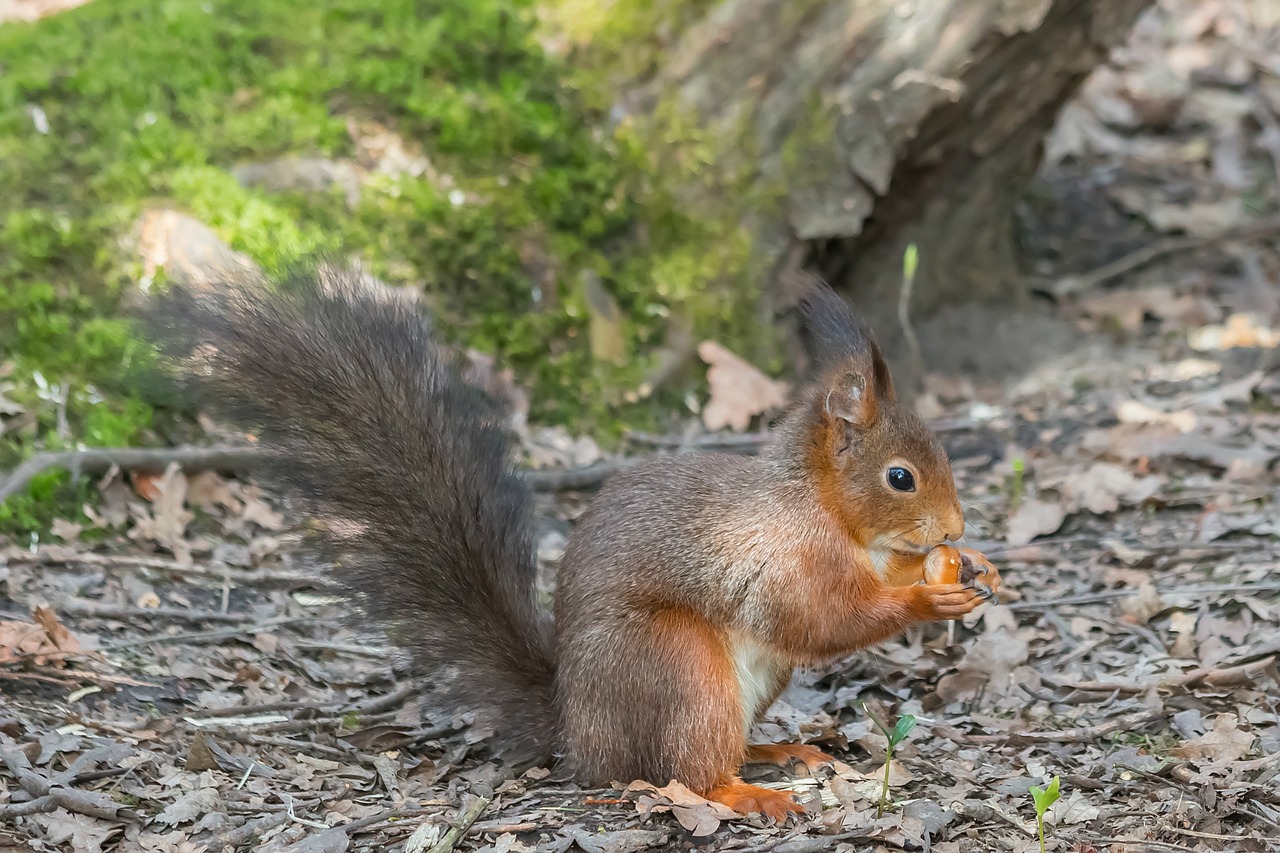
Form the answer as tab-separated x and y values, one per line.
690	589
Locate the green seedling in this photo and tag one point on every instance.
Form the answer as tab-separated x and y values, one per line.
1043	798
1015	487
910	260
895	736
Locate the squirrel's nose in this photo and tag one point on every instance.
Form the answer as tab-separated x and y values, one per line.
953	526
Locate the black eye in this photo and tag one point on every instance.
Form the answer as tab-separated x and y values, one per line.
900	479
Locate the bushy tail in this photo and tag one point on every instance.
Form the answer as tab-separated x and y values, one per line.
408	467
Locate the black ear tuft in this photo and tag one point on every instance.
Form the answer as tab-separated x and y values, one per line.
836	334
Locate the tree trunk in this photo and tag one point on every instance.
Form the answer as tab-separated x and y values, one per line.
879	123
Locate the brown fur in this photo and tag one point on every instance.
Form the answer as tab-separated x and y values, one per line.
690	589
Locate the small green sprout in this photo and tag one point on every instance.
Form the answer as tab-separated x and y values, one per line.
910	260
1043	798
1015	488
899	733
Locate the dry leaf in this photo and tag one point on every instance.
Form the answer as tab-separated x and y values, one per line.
1140	608
619	841
1183	625
66	530
739	391
44	641
1133	412
258	512
697	814
1223	744
1034	518
199	756
208	490
1104	487
86	834
166	522
989	662
1239	330
190	807
1073	808
62	639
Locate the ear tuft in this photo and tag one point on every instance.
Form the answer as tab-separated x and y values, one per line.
835	334
851	399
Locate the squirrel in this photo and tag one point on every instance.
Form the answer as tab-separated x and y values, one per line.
690	588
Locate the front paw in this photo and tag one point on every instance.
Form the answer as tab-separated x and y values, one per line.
940	602
978	572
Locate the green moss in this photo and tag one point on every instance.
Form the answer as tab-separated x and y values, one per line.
623	39
154	103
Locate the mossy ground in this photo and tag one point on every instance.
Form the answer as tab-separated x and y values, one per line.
154	102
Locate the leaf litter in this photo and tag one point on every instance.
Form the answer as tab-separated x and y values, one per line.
181	680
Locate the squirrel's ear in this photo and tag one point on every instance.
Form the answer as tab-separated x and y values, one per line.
880	369
851	399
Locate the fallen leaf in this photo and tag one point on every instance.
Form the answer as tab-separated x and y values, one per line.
44	641
989	662
1104	487
1222	744
1239	331
208	490
190	807
425	836
695	813
1133	412
1140	608
1183	625
739	391
199	756
166	522
86	834
66	530
258	512
1034	518
1073	808
619	841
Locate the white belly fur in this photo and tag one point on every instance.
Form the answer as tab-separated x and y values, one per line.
880	561
756	666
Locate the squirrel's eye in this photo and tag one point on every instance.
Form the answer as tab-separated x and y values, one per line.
900	479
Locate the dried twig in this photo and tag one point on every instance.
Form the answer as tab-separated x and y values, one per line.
1113	594
1073	284
108	611
375	705
248	458
1083	734
465	818
1217	677
97	460
245	631
572	479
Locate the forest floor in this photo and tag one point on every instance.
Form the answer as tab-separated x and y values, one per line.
177	679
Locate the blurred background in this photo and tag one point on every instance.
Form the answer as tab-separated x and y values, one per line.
599	199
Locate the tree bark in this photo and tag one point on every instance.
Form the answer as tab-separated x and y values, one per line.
879	123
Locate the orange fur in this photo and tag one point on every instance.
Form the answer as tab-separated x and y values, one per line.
787	754
753	799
